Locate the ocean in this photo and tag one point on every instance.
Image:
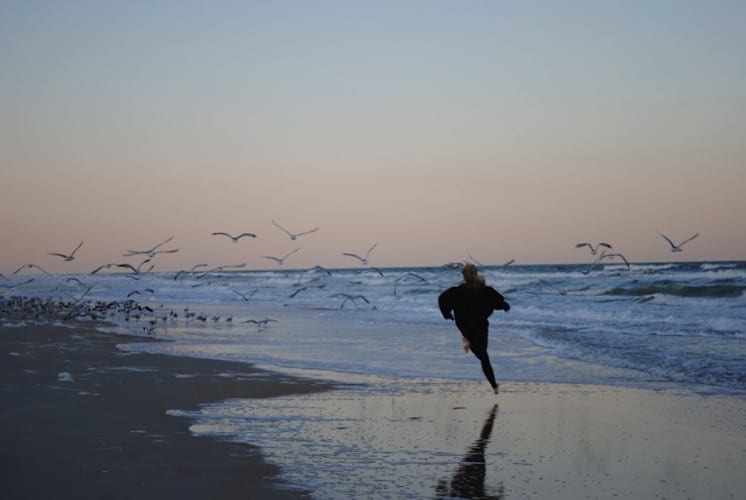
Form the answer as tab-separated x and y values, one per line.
649	325
409	400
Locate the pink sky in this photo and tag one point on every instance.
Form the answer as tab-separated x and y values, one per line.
437	132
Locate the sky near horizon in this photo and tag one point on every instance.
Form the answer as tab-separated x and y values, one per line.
439	130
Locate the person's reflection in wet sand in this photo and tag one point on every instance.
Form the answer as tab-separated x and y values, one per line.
468	481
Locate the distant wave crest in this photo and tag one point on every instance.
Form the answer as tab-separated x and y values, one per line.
693	291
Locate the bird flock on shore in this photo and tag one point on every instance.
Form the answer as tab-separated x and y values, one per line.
308	280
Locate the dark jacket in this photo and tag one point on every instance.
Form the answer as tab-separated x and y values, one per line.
472	306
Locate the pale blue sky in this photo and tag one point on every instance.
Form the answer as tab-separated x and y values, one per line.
438	129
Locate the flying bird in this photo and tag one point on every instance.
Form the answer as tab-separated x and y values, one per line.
352	298
674	246
363	260
30	266
406	277
104	266
612	255
194	268
70	257
261	323
234	238
293	236
280	260
592	248
246	298
151	252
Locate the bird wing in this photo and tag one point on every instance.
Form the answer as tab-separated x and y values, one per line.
248	235
128	266
98	268
370	250
688	239
39	268
276	259
282	228
291	253
309	231
76	248
354	255
578	245
58	254
602	244
673	245
221	233
162	243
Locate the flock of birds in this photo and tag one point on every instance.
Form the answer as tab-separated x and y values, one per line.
600	251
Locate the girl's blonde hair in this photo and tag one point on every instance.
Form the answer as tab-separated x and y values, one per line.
471	276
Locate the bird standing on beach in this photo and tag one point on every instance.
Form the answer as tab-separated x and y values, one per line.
674	246
280	260
363	260
70	257
592	248
235	238
293	236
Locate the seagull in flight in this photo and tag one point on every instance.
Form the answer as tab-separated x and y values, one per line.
30	266
592	248
194	268
364	260
151	252
612	255
407	277
70	257
261	323
352	298
674	246
246	298
280	260
234	238
293	236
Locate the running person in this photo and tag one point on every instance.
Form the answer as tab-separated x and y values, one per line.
472	302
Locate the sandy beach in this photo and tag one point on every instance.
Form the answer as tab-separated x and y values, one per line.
80	419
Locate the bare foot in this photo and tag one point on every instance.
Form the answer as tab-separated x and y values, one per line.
496	389
467	345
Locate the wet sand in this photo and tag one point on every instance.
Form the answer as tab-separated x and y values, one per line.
393	438
81	419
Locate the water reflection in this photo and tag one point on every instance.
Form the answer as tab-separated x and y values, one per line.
469	479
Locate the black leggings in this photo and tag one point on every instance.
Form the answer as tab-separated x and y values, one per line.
478	345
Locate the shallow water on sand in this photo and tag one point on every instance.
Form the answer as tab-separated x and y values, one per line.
426	439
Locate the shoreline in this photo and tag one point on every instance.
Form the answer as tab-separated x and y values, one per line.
81	418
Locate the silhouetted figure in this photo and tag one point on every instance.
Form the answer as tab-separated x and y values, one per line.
469	479
472	302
